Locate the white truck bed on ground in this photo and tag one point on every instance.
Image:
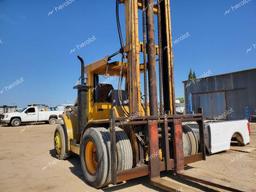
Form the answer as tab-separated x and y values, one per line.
221	133
218	135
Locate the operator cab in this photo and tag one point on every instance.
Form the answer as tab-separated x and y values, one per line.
107	89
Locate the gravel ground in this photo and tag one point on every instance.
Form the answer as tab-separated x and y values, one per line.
27	164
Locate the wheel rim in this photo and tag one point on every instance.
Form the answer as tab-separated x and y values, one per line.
52	121
91	157
57	142
16	123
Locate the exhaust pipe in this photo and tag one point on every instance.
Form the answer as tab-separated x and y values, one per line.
82	104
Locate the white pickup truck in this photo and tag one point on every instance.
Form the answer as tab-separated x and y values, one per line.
219	135
31	114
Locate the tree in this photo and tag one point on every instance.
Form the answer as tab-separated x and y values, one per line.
194	75
181	99
190	75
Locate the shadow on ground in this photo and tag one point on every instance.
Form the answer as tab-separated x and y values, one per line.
77	171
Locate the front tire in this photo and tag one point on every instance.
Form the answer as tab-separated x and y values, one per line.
16	122
95	155
190	142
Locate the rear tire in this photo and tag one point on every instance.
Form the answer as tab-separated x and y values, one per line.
16	122
60	143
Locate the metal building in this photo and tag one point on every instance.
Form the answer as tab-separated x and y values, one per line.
230	96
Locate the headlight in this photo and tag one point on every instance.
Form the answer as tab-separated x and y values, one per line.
6	116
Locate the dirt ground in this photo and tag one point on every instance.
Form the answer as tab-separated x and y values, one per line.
27	164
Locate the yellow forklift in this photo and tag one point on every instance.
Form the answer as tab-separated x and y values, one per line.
132	130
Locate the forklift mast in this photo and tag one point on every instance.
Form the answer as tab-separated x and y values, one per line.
148	46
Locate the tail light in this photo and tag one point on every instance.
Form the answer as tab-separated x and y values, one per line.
249	127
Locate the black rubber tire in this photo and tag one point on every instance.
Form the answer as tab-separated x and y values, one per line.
195	130
64	153
16	122
98	180
124	154
52	121
193	142
190	143
101	138
186	145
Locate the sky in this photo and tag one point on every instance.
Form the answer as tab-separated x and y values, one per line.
39	41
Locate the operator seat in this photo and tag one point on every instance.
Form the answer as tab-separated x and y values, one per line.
103	94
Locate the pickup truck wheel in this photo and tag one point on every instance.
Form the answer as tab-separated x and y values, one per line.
15	122
52	121
60	143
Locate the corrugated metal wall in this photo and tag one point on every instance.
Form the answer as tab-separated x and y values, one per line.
229	96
